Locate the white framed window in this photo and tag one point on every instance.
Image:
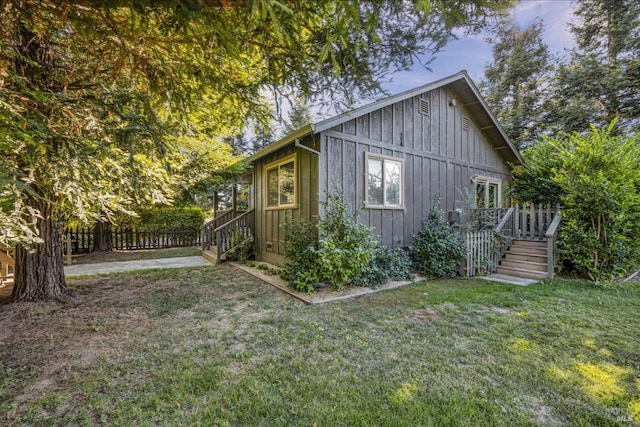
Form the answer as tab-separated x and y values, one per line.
281	189
488	192
384	185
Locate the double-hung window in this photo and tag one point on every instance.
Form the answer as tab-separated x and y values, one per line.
281	188
384	186
488	192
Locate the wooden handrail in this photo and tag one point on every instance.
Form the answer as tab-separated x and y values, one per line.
233	232
503	236
504	220
552	244
207	230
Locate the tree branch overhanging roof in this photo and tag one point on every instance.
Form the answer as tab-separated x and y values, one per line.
460	83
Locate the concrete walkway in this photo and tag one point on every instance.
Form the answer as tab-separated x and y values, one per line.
502	278
116	267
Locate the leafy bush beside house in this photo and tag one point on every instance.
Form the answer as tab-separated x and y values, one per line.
347	252
596	177
347	248
302	270
600	179
438	248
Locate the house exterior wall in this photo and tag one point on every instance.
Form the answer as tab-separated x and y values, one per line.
440	158
269	236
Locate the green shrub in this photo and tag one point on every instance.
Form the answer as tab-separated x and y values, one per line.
600	179
348	253
387	264
302	270
597	179
534	181
438	248
166	218
242	248
347	247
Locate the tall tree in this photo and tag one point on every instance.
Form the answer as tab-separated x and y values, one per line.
516	82
263	135
601	80
299	115
61	61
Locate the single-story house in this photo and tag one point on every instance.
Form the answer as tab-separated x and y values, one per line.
395	155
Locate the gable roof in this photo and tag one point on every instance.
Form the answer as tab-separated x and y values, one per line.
460	83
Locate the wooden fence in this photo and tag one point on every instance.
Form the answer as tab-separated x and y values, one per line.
482	252
125	238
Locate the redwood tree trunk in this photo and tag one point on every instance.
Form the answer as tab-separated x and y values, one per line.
39	272
103	237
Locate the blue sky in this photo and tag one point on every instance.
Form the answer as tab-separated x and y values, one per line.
473	53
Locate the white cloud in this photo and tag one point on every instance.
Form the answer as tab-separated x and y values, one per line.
555	15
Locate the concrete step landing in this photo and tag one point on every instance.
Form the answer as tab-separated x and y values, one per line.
512	280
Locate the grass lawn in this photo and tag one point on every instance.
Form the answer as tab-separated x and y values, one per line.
213	346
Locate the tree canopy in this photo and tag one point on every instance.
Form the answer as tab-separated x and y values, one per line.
90	89
601	80
515	82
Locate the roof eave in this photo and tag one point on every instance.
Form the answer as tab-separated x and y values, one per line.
283	142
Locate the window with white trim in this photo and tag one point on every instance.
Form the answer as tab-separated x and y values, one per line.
281	187
384	186
488	192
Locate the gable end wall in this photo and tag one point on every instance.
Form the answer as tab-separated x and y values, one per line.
439	157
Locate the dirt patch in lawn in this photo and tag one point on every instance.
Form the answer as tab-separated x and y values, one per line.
54	339
425	315
48	345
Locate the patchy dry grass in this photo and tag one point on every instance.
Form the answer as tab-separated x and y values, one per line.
212	346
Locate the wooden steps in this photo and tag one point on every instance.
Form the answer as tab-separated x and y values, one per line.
525	258
211	254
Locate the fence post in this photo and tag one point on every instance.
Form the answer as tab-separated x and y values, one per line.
69	258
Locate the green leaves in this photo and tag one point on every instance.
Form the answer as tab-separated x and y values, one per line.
347	254
515	82
597	179
600	81
600	180
437	249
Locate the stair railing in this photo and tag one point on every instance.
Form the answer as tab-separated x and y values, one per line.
532	221
505	232
552	243
207	231
234	232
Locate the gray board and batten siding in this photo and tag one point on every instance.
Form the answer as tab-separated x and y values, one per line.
443	133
